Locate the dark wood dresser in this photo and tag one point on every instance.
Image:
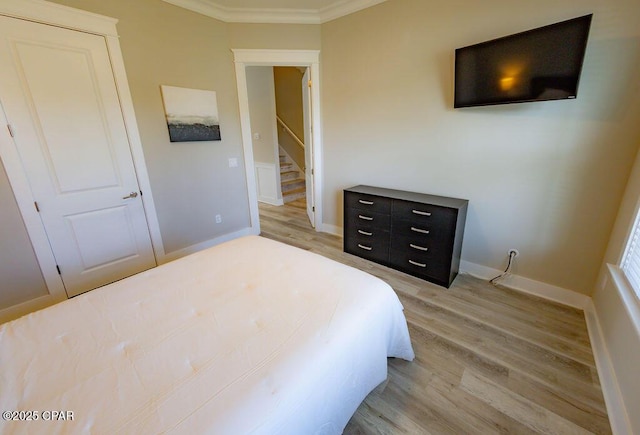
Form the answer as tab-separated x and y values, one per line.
415	233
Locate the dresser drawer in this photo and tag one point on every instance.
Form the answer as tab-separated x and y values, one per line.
370	248
422	213
366	234
356	218
368	203
418	245
420	264
423	233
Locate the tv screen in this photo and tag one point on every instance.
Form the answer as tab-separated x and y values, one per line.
536	65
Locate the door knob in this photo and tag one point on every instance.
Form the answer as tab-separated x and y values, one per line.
131	195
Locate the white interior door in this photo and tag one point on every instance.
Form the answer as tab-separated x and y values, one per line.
308	145
61	101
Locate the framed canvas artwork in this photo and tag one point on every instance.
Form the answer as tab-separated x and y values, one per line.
192	114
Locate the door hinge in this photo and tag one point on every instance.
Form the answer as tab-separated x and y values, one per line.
309	83
311	171
36	204
313	209
58	267
10	130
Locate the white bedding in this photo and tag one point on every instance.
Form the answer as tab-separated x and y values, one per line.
251	336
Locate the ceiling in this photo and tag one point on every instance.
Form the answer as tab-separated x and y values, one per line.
275	11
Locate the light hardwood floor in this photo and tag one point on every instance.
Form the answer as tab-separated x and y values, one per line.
488	359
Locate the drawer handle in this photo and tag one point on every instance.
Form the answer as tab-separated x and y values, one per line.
421	213
420	248
362	201
366	248
419	230
366	218
415	263
364	233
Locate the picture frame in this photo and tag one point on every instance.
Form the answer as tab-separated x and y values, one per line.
192	114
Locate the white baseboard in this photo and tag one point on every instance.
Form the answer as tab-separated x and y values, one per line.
610	388
527	285
613	398
271	201
24	308
207	244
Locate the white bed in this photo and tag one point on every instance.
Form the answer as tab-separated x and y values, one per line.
251	336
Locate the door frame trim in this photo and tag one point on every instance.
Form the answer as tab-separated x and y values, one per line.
44	12
265	57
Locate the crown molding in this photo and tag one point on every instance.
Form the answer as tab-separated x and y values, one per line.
345	7
274	15
202	7
59	15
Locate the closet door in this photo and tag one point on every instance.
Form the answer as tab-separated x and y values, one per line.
59	95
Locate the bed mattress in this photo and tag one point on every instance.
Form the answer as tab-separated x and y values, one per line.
250	336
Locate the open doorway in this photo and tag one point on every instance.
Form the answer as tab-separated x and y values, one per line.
307	61
295	145
281	137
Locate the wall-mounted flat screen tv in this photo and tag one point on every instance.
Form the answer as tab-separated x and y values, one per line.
536	65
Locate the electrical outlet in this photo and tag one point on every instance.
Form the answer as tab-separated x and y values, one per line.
515	251
233	162
218	219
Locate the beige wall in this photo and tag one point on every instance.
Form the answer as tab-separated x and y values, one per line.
285	36
20	276
260	90
288	87
191	182
545	178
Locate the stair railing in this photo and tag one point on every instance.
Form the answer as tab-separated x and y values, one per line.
286	128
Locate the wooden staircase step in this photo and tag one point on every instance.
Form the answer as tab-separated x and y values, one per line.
292	195
298	190
293	187
289	175
290	185
285	167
